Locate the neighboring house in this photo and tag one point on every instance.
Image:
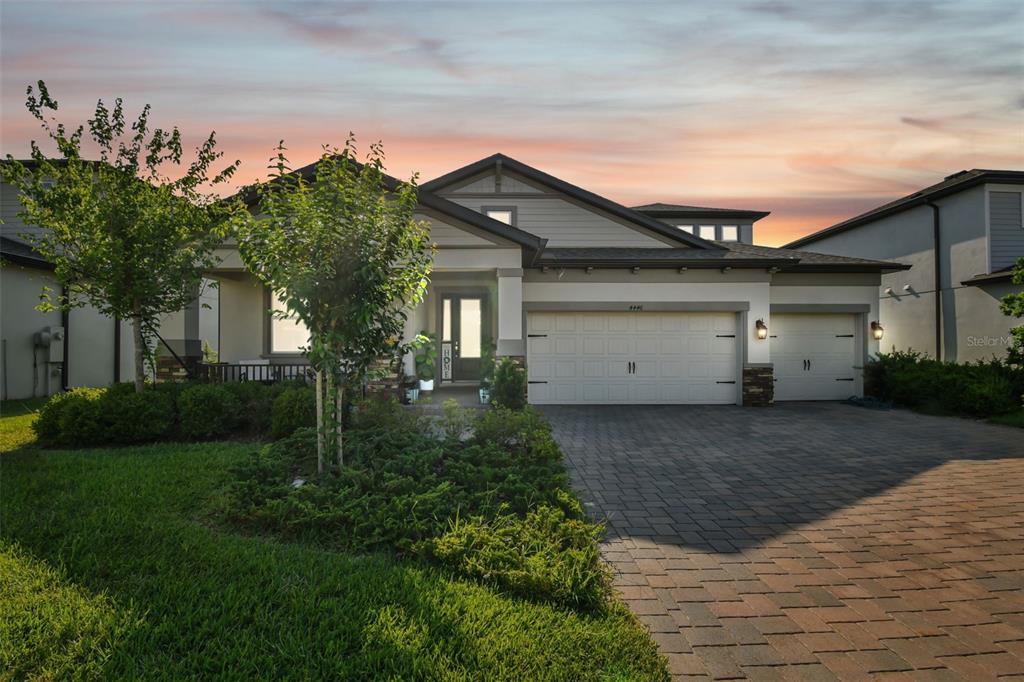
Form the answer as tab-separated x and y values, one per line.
962	237
607	304
44	353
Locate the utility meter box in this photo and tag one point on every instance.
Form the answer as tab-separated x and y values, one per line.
52	339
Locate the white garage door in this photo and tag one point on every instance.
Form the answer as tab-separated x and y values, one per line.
814	356
618	358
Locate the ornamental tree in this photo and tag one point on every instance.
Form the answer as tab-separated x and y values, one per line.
340	247
122	235
1013	305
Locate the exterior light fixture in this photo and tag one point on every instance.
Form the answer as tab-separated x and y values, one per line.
762	330
544	268
682	270
636	271
877	331
590	269
889	291
773	270
727	268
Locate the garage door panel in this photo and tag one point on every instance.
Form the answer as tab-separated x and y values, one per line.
616	358
814	356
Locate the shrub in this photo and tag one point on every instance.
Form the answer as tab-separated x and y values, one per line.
403	490
455	420
133	418
293	409
509	385
980	389
543	556
207	411
256	403
71	419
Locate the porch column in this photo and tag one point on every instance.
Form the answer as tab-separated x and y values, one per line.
510	313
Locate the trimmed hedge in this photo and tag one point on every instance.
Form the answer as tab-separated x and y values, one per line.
293	409
981	389
88	417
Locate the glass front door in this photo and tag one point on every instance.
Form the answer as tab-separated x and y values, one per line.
462	327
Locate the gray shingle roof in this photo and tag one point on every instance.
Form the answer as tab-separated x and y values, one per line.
662	210
732	255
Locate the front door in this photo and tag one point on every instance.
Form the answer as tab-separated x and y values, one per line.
462	335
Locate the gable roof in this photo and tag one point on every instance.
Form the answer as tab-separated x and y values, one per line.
449	208
957	182
661	210
501	161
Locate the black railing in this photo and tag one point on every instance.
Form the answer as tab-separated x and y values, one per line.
267	374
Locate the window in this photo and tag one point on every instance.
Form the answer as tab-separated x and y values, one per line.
730	233
287	335
503	214
686	228
706	232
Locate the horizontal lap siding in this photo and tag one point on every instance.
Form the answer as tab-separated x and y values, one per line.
562	223
1006	233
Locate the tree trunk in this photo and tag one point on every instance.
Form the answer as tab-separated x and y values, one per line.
339	412
320	435
140	353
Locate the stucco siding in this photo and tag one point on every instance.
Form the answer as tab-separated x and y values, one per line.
1005	229
242	311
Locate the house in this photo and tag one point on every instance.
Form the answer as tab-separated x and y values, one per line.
607	304
42	353
962	237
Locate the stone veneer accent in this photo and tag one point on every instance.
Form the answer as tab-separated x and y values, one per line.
758	386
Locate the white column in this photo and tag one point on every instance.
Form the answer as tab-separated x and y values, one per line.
510	312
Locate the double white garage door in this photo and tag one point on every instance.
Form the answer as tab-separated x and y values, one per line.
678	358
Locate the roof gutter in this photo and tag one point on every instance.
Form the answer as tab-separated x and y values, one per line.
937	261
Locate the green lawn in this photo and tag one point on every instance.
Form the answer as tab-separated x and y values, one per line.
1012	419
110	569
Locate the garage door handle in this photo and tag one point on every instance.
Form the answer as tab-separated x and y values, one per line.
844	336
725	336
725	382
536	336
536	382
850	379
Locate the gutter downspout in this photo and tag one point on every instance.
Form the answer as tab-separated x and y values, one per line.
937	259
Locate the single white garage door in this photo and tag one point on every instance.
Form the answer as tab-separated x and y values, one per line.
640	358
814	356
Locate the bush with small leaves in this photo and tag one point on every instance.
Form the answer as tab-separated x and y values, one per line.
293	409
509	388
207	411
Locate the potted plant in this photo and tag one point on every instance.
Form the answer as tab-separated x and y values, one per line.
426	362
487	352
412	392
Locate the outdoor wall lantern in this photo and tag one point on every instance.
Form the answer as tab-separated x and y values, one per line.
877	331
762	330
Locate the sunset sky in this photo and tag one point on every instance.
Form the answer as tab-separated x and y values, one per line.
814	111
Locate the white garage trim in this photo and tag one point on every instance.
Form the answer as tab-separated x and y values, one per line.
599	357
640	306
820	308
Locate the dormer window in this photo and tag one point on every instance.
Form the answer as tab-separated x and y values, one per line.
503	214
730	233
688	229
706	232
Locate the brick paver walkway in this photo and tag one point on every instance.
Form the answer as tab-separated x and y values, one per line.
811	541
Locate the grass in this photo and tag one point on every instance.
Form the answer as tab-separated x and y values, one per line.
16	417
109	570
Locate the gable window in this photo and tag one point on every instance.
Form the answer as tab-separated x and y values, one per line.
730	233
706	232
686	228
287	335
503	214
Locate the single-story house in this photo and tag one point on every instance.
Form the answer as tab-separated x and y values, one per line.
607	304
962	236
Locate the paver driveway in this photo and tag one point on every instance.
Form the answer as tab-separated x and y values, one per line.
811	541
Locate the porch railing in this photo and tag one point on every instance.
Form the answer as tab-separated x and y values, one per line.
267	374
